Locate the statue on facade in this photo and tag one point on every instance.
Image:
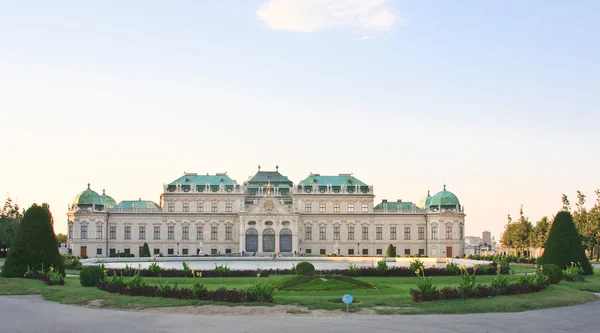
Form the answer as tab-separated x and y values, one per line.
336	248
200	251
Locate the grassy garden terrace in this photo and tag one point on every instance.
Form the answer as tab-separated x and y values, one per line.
391	295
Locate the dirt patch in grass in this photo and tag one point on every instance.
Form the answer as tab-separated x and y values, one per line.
95	303
277	310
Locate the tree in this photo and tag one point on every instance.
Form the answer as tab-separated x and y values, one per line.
583	223
566	204
60	238
508	237
391	251
34	245
47	207
594	225
540	232
145	251
10	217
523	233
564	244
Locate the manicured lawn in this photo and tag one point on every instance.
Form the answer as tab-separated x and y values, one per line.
522	268
390	297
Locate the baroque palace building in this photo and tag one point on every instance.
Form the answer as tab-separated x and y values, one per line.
213	214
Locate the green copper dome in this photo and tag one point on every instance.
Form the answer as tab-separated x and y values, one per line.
424	202
88	198
444	198
108	201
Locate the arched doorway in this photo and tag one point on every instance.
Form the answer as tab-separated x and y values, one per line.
285	240
268	240
251	240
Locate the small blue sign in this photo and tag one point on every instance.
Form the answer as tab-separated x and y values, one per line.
347	299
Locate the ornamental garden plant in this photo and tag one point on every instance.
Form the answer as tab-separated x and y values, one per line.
563	246
34	245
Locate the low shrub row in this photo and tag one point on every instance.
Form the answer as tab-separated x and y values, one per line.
481	292
361	271
509	258
292	282
50	278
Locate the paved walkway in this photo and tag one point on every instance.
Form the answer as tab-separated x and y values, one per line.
30	314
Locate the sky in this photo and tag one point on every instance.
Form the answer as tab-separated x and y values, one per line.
496	99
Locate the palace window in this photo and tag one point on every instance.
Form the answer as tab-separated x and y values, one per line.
185	233
336	207
99	251
336	233
422	252
170	252
350	252
448	232
214	207
350	208
307	207
228	207
322	251
184	252
322	207
99	232
213	233
142	233
171	233
406	251
71	231
308	251
433	232
83	232
393	233
406	233
365	208
365	232
199	233
186	207
200	207
365	252
379	251
350	233
156	232
156	251
228	233
128	232
127	251
322	233
113	232
171	206
421	233
379	233
308	233
460	231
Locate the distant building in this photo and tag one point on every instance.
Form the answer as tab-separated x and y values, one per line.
202	213
472	240
486	237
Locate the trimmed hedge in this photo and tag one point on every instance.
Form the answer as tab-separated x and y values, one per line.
482	291
305	268
290	283
364	271
554	273
220	295
91	275
44	277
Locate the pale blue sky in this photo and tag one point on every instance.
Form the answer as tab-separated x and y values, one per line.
496	99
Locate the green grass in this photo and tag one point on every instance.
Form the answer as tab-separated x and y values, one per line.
391	295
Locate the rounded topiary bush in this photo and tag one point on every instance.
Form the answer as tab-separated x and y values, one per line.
305	268
91	275
553	272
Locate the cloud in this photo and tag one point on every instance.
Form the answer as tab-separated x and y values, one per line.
364	16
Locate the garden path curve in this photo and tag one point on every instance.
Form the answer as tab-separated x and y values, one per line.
31	314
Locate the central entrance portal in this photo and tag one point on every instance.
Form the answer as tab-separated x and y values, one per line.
268	240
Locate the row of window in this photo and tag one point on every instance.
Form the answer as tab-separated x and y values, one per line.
214	207
378	233
185	233
336	207
365	252
170	251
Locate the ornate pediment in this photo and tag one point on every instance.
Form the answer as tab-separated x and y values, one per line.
449	213
269	205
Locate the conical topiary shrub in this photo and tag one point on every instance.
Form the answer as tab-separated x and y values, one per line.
563	245
145	251
391	251
34	245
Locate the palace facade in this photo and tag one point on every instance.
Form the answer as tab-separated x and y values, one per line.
268	213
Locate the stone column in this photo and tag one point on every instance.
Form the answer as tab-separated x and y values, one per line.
260	245
276	241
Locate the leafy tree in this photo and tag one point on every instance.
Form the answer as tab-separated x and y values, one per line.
34	245
582	222
391	251
593	231
60	238
564	244
540	232
10	217
523	232
508	237
566	204
47	207
145	251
